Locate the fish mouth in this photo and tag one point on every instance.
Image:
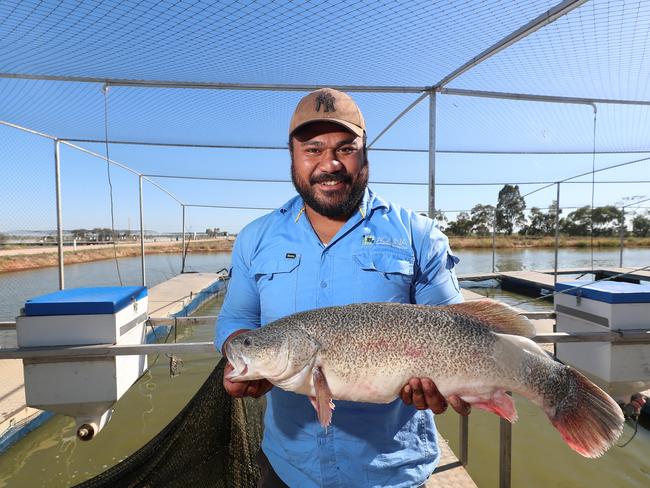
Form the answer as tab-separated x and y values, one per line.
238	362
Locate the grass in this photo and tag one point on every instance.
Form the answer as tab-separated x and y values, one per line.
515	242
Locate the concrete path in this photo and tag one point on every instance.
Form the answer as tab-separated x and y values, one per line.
449	473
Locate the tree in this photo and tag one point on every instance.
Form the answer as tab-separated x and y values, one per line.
606	221
510	209
482	219
541	224
578	222
461	226
641	225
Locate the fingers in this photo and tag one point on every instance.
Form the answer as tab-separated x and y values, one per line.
406	394
241	389
462	407
433	399
423	394
257	388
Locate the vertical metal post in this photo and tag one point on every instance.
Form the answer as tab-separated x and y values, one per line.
59	218
557	233
142	265
183	243
463	438
620	259
494	240
505	453
432	154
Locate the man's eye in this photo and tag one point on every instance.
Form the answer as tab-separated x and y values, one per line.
347	150
313	150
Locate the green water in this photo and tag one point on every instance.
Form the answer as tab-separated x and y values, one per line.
52	457
541	458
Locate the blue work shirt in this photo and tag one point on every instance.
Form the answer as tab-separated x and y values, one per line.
383	253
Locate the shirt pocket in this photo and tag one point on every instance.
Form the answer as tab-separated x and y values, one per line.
383	275
276	277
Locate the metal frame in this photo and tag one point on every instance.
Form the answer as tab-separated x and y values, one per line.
628	336
539	22
57	183
59	217
375	149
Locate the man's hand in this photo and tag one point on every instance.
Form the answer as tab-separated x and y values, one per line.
255	388
423	394
240	389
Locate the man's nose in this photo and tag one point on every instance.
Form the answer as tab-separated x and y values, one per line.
329	162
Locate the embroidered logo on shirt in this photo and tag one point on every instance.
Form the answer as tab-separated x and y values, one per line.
387	241
290	255
368	240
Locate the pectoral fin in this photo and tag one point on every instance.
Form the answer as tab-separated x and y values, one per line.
323	400
500	403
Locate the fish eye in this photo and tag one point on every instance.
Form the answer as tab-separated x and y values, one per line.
248	341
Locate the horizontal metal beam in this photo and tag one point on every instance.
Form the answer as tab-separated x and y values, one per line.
376	149
633	336
540	98
629	336
406	183
537	23
214	85
106	350
194	320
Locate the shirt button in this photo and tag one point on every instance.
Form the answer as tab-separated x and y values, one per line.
323	284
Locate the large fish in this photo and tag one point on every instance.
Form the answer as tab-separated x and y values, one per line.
477	350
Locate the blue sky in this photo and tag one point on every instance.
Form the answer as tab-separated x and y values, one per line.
599	50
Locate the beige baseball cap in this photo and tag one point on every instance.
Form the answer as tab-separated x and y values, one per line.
329	105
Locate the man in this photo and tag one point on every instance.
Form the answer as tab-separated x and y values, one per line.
334	244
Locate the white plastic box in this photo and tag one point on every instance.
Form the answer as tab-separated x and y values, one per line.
84	388
622	369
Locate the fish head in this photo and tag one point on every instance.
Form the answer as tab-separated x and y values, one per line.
269	352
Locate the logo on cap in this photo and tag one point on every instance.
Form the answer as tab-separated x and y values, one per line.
326	100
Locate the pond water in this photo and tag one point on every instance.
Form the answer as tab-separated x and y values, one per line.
51	456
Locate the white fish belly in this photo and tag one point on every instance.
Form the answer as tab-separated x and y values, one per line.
374	389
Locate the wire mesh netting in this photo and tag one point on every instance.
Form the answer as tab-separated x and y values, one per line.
598	50
212	442
253	41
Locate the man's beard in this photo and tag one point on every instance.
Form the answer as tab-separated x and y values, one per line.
342	204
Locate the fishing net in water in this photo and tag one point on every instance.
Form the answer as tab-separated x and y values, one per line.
212	442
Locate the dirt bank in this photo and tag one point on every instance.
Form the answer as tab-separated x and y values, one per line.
33	258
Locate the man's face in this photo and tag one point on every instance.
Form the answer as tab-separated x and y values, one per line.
329	169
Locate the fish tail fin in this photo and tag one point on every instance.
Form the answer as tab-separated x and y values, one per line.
588	419
496	315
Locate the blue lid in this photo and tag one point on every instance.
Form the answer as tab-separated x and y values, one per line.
607	291
85	301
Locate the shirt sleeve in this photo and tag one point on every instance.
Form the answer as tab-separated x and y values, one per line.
241	306
435	280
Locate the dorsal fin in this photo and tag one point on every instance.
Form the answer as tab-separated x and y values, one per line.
498	316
